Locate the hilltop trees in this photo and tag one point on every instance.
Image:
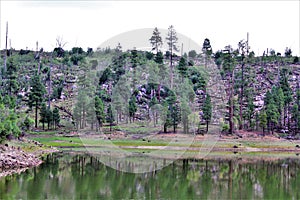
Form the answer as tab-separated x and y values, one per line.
172	46
207	50
156	40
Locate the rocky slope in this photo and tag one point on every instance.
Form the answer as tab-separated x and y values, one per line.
14	158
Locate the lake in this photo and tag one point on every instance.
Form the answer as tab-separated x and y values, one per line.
82	176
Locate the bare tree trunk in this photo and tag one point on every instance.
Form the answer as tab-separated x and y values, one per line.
171	62
5	52
36	113
206	126
241	98
231	124
49	81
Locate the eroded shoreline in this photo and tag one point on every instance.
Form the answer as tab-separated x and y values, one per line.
17	156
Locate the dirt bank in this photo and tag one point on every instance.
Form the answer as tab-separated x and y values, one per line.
17	156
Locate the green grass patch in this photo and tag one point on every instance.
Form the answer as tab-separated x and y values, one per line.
58	141
43	132
135	128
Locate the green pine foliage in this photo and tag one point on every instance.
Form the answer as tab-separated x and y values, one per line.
207	110
36	95
99	110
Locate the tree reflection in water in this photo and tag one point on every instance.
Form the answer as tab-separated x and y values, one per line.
80	176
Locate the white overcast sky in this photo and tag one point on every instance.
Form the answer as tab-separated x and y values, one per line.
271	24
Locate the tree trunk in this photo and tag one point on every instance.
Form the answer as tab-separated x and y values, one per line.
231	124
171	62
36	113
83	117
154	118
241	98
206	126
165	128
158	93
5	52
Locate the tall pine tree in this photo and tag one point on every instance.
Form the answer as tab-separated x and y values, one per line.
36	95
207	110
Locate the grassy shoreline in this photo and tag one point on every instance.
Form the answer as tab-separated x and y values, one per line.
174	144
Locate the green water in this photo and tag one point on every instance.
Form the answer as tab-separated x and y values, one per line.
81	176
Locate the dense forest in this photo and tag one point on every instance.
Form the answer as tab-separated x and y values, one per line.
111	89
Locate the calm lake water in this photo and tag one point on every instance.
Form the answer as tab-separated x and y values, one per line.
81	176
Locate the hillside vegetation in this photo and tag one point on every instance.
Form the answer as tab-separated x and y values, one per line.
143	92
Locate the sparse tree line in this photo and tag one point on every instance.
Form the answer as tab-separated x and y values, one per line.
242	72
154	86
121	96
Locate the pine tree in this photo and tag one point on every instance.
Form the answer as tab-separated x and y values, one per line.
56	117
263	120
134	63
132	108
207	110
11	74
28	122
272	114
295	116
175	115
182	67
118	105
153	106
207	50
80	110
185	111
280	103
49	117
91	113
228	65
167	118
172	41
287	91
109	117
156	40
159	58
43	113
36	95
99	109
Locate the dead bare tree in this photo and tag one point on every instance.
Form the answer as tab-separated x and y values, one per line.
60	42
5	52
